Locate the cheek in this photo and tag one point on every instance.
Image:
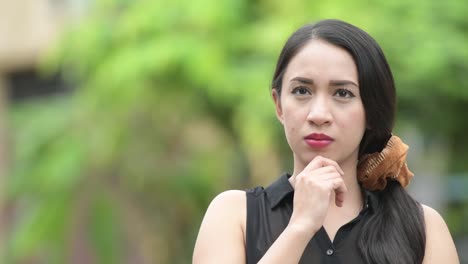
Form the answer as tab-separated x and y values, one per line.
357	120
290	127
292	120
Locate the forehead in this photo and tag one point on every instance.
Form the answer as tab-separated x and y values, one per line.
322	61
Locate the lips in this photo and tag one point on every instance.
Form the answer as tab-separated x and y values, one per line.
318	140
318	136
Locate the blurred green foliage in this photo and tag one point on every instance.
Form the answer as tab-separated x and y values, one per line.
173	105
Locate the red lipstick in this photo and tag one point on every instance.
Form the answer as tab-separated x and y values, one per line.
318	140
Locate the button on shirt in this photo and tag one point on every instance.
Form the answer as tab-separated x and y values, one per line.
268	213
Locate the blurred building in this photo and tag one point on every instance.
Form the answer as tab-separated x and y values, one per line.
28	28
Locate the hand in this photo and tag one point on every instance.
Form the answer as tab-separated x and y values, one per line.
313	191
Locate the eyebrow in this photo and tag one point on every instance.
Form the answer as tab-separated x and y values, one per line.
303	80
332	82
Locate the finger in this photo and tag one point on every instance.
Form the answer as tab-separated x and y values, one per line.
330	176
339	199
329	162
320	172
321	176
320	161
340	189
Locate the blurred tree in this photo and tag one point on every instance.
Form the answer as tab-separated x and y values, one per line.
3	166
173	106
166	111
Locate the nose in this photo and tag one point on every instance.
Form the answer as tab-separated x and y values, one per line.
320	112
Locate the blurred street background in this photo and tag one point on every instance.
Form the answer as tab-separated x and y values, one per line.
120	120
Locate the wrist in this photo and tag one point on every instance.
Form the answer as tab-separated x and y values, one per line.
302	231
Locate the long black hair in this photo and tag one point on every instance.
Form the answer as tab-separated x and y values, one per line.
395	233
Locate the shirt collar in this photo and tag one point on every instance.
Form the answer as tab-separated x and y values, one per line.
279	189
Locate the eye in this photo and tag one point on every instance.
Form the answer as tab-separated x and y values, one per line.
301	90
344	93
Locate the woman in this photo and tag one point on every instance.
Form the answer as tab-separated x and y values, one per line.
345	201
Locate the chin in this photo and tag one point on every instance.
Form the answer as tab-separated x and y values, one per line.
310	156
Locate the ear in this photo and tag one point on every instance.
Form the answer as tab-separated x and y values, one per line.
277	100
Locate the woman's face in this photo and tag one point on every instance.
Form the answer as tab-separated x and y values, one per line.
320	106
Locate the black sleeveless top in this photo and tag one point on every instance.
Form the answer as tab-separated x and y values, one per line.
268	214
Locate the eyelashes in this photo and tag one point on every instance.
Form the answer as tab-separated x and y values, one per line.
338	92
344	93
300	90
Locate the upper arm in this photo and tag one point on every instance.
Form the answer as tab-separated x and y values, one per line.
221	235
440	247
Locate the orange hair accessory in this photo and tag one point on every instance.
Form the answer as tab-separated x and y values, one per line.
375	169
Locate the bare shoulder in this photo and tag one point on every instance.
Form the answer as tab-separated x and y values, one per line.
229	206
440	247
229	198
221	234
